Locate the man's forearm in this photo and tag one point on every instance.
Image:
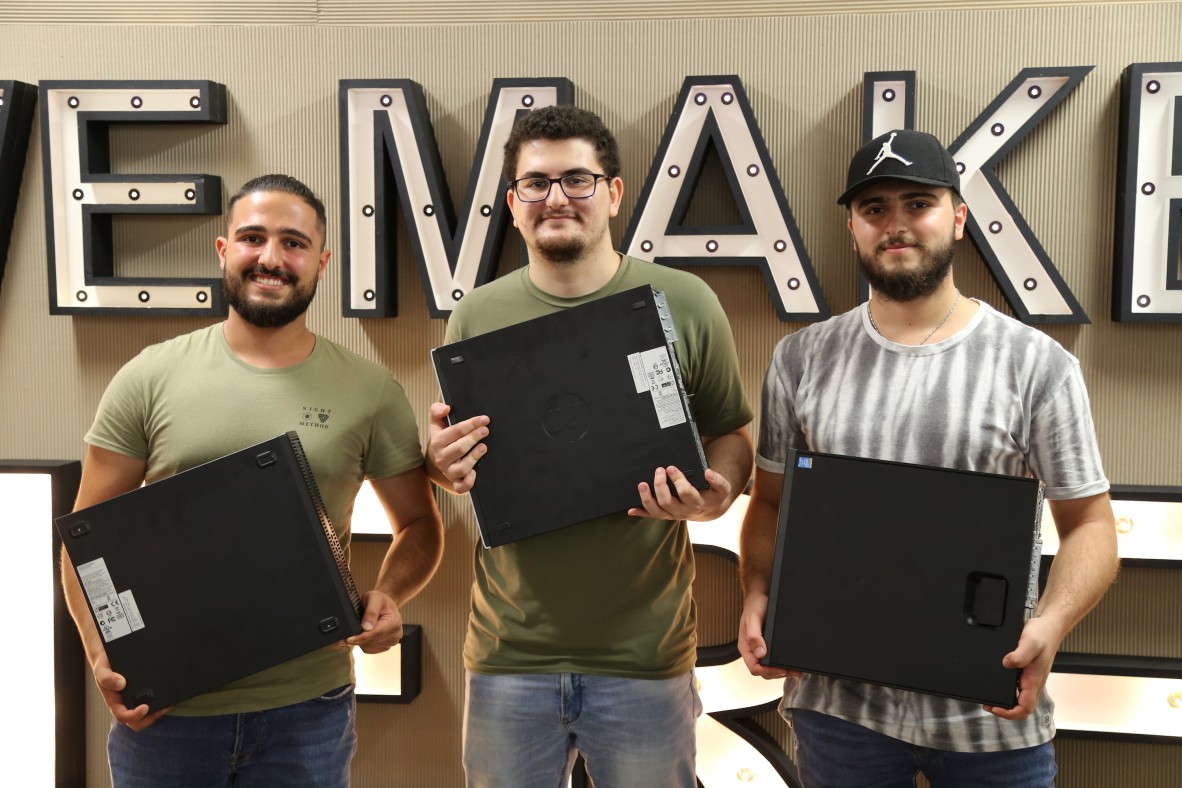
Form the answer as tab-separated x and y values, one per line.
411	561
417	547
757	541
1085	564
757	548
79	608
732	457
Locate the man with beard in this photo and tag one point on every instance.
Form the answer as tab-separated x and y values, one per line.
582	640
922	374
203	395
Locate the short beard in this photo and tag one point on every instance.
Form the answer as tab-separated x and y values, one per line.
562	251
909	285
267	314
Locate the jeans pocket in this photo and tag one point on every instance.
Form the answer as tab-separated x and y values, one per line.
698	707
340	693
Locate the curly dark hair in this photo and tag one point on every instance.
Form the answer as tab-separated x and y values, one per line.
562	122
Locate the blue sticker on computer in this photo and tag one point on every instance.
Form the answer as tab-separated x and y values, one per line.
804	462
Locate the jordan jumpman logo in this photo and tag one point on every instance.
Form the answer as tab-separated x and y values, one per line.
885	152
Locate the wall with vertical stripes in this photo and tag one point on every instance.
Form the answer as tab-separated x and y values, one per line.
802	67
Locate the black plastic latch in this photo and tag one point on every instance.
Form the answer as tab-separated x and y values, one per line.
985	599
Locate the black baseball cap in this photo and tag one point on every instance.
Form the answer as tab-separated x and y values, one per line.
902	155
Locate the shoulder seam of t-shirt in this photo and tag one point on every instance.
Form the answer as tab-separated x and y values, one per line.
1054	391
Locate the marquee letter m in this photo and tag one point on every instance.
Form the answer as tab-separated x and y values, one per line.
389	158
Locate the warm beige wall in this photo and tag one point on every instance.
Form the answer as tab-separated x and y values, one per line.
437	12
803	75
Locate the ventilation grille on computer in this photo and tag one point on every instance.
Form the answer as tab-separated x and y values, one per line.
329	532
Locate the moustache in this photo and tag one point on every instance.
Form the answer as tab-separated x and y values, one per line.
899	239
556	215
274	273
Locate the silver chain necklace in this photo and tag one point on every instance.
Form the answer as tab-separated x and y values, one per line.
944	320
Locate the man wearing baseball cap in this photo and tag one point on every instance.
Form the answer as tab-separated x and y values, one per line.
924	374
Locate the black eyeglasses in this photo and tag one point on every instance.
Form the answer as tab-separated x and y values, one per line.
576	186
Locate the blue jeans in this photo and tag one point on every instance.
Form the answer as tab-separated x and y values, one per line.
305	744
524	730
834	753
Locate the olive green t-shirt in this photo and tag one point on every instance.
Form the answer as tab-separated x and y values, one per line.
610	596
190	400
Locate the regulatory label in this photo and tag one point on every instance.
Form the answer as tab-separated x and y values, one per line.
132	610
637	367
108	606
652	370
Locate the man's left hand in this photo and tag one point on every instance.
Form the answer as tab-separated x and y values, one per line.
689	503
381	624
1034	656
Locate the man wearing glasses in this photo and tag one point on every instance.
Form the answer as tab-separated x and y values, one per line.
581	641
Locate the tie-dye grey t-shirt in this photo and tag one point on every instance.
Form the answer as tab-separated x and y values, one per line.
998	396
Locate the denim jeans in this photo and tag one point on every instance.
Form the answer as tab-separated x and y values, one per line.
305	744
524	730
834	753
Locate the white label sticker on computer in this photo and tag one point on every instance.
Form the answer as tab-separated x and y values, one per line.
637	367
134	619
659	379
104	601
